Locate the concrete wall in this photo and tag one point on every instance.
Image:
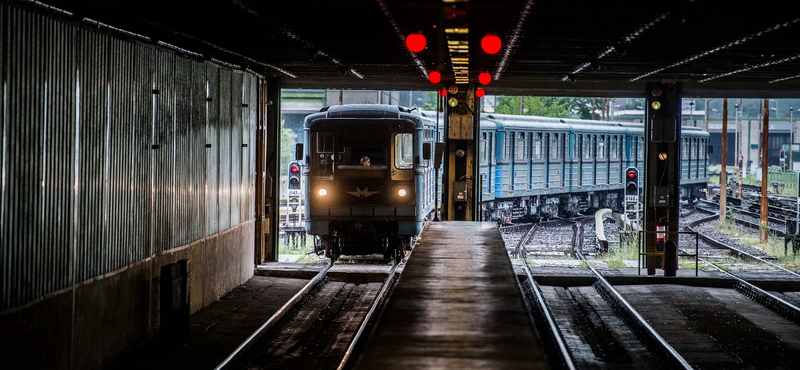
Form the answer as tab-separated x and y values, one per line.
86	327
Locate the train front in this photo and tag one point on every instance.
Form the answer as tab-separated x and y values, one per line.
360	181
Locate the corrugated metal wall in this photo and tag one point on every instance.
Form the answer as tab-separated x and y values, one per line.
112	151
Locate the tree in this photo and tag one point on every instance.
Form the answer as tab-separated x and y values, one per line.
288	142
544	106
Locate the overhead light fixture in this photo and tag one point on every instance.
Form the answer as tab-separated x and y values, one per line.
435	77
457	31
491	44
480	92
484	78
416	42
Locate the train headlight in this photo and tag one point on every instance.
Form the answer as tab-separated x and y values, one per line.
323	192
401	192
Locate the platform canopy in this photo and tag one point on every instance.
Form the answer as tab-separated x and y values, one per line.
730	48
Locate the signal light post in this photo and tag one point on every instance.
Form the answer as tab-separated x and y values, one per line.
293	194
632	198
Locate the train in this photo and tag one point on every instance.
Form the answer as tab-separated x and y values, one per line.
370	182
539	167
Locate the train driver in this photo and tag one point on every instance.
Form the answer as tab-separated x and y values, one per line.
365	161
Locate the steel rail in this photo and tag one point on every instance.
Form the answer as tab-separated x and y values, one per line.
721	245
631	311
792	310
375	304
272	320
543	307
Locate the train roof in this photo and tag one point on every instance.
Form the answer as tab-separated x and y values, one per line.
370	111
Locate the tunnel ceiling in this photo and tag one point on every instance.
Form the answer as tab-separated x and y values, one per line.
549	47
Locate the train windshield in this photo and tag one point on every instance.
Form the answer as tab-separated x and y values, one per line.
348	151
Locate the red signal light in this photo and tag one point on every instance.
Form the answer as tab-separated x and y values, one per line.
416	42
435	77
294	169
491	44
441	92
484	78
480	92
631	174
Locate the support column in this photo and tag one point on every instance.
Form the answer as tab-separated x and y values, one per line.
272	104
662	167
460	192
262	216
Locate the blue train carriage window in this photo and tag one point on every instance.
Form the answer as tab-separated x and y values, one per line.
554	146
614	147
484	149
587	147
538	147
601	147
520	146
403	156
509	146
640	148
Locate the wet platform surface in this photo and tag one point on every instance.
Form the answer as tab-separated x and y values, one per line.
456	305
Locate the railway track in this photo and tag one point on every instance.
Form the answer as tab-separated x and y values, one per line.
625	339
321	327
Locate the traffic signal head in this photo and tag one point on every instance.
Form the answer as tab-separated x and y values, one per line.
632	182
783	154
294	175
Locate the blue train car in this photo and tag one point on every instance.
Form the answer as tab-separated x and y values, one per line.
547	167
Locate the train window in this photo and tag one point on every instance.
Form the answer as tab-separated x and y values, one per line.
575	146
323	142
537	147
403	151
489	146
521	146
587	147
601	147
509	145
554	147
702	152
483	148
614	147
640	147
321	157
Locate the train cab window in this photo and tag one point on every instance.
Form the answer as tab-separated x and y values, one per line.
403	151
537	147
601	147
322	154
614	147
555	147
521	147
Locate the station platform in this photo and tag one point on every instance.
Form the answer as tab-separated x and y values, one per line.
456	305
